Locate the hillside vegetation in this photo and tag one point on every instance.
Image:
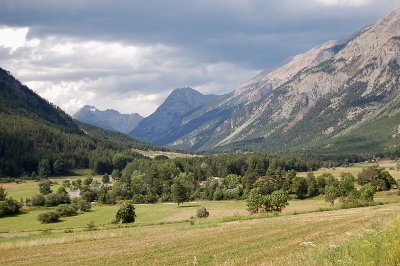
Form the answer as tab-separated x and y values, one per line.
32	130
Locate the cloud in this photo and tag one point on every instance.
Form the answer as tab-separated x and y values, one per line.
129	55
72	73
344	2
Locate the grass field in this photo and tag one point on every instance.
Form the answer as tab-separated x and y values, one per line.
276	240
28	188
164	234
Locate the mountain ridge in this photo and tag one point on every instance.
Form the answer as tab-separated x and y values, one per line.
108	119
167	120
312	99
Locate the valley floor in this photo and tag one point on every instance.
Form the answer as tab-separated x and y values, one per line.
274	240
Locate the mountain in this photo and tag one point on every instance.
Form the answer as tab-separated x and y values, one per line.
166	122
108	119
33	130
341	96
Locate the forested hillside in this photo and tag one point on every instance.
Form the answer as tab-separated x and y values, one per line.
33	130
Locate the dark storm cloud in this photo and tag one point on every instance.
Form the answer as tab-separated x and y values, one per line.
129	55
256	33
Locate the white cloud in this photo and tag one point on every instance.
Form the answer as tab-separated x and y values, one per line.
71	72
15	38
344	2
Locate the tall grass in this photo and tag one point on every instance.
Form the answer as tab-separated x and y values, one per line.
374	247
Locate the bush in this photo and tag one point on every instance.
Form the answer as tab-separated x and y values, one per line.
9	206
105	179
331	193
367	192
126	213
3	194
38	200
57	199
202	212
299	187
232	193
378	177
66	210
82	205
150	198
279	199
44	187
89	195
49	217
254	200
138	199
62	190
91	226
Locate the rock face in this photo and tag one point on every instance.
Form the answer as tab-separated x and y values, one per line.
339	93
166	123
108	119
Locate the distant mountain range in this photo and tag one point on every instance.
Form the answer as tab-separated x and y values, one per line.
108	119
339	97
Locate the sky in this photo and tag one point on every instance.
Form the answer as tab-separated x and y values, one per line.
129	55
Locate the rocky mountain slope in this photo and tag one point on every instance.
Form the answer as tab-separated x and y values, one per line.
108	119
328	98
165	124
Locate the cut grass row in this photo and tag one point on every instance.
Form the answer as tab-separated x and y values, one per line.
274	241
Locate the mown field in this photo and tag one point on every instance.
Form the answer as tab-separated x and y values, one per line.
166	234
274	240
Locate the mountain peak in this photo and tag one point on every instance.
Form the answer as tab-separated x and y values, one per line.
108	119
170	114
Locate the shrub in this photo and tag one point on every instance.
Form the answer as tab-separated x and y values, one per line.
38	200
9	206
61	190
44	187
299	187
331	193
3	194
89	195
88	181
232	193
279	199
91	226
150	198
126	213
202	212
49	217
105	179
254	200
367	192
346	183
66	183
82	205
218	194
138	199
66	210
104	196
378	177
57	199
